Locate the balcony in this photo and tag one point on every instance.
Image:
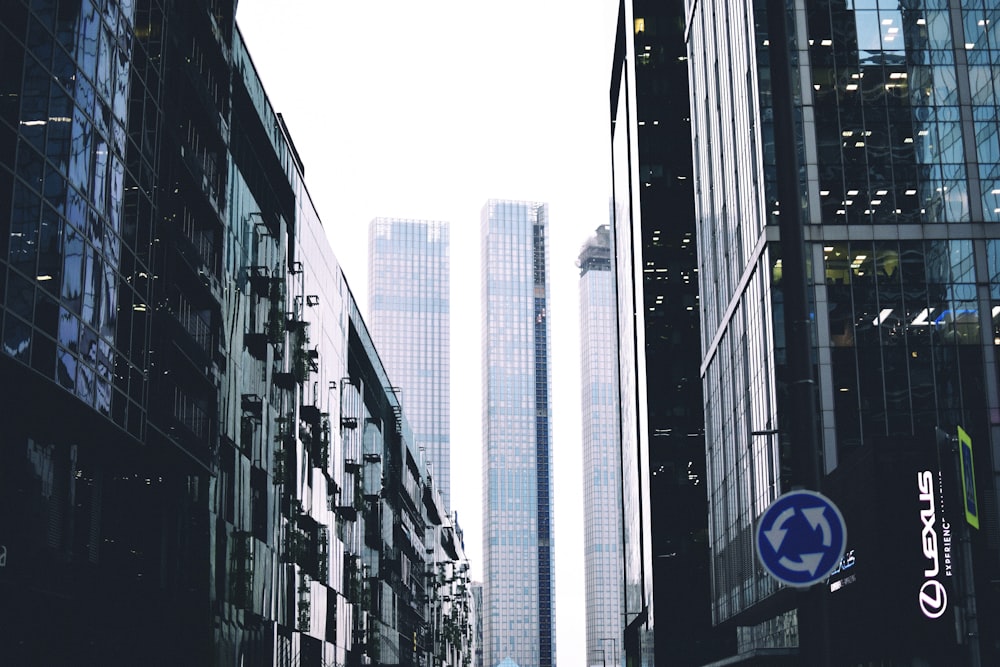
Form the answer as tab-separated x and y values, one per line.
320	449
241	569
304	617
197	245
253	406
205	84
311	415
284	380
280	466
190	339
183	419
351	501
293	324
256	345
347	512
260	280
304	361
202	162
191	415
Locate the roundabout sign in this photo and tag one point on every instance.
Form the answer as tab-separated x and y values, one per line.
800	538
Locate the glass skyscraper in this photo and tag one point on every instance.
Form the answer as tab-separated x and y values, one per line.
519	581
202	461
408	288
896	130
626	245
601	450
656	267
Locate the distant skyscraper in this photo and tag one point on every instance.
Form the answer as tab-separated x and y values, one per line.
602	469
519	611
408	286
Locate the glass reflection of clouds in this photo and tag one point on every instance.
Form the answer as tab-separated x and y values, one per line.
878	31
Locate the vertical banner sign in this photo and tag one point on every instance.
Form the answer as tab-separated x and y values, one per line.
935	542
969	501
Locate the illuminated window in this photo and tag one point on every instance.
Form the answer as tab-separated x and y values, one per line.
640	25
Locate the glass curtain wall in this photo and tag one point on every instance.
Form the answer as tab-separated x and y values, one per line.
897	140
519	585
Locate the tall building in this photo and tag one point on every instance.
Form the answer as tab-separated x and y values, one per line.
678	493
519	573
408	294
111	232
656	269
626	244
202	461
893	108
601	450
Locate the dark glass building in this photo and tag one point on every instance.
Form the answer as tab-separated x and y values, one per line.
657	272
626	252
202	461
678	492
112	209
895	132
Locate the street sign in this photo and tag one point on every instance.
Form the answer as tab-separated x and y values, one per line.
800	538
968	478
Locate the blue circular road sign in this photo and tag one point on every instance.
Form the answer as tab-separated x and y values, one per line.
800	538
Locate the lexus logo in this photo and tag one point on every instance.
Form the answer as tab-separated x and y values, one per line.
933	598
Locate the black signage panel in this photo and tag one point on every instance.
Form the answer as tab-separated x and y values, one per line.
893	598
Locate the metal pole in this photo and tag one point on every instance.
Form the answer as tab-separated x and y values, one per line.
800	412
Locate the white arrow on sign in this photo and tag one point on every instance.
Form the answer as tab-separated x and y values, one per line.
816	519
777	534
807	563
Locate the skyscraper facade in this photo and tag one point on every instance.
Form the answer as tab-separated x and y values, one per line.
408	294
601	450
519	574
202	461
895	130
670	277
626	243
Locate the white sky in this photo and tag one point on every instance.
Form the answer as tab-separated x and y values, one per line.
425	109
